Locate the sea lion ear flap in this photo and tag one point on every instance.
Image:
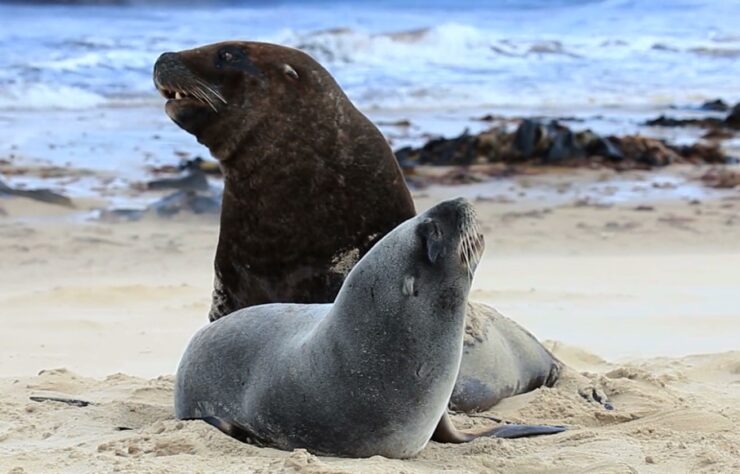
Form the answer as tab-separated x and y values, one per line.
290	72
432	238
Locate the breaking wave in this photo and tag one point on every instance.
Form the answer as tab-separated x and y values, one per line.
393	55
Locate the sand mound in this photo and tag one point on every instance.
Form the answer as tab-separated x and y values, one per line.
671	415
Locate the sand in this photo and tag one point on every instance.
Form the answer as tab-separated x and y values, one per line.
644	302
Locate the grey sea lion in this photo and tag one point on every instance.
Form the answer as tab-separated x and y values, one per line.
370	374
310	185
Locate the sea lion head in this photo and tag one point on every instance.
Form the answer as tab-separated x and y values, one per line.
428	261
449	240
229	92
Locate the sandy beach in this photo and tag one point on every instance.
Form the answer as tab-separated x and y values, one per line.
580	130
640	294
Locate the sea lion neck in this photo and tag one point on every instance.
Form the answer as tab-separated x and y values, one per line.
302	203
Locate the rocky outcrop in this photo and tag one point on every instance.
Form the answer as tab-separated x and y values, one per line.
553	144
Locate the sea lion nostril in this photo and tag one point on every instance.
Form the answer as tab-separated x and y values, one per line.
168	64
168	57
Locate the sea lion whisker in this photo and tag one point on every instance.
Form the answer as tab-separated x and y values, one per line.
466	253
210	89
204	96
473	264
198	94
215	93
471	243
463	240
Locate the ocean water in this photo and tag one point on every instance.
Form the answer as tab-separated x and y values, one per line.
76	89
391	55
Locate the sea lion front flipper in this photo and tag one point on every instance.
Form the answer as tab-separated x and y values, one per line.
447	433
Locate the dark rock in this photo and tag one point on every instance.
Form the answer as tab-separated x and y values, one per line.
526	137
178	203
604	146
489	118
41	194
647	152
396	123
718	134
449	152
118	215
564	147
663	121
495	146
716	105
699	153
194	180
187	201
210	167
537	143
733	118
407	157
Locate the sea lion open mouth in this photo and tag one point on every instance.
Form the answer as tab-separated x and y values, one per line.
182	87
199	93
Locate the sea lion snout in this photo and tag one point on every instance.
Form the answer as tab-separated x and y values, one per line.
455	214
177	82
168	57
452	225
168	68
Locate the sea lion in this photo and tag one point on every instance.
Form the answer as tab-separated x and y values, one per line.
368	375
310	184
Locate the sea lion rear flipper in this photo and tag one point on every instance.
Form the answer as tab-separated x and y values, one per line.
447	433
521	431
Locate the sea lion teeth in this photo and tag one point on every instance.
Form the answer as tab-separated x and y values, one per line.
178	96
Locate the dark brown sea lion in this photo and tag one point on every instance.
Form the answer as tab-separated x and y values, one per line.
310	183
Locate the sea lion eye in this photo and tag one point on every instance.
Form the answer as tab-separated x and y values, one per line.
231	54
290	72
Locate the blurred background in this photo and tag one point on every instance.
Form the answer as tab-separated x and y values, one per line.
615	91
437	63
